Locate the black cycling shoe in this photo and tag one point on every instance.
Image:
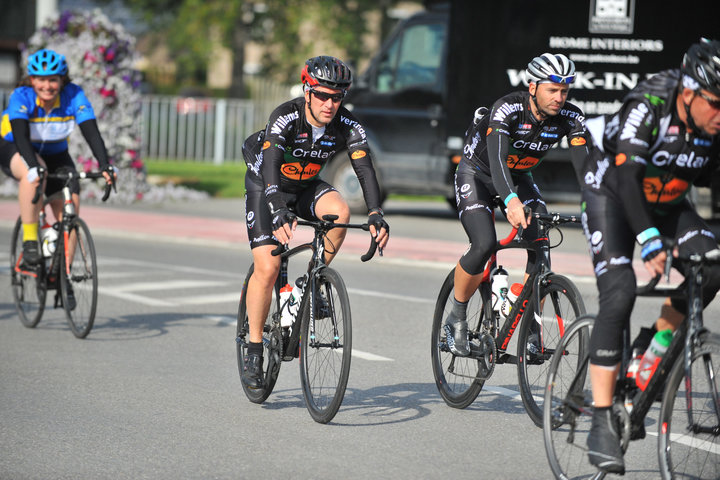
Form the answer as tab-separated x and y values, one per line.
457	336
323	307
534	355
253	371
31	253
603	443
71	302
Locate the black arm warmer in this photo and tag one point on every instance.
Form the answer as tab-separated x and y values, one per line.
270	173
368	181
497	148
578	156
630	189
21	134
92	136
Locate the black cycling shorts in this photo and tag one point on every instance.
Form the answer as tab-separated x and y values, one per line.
258	219
474	194
53	162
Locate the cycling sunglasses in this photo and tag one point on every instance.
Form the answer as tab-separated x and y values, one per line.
713	102
561	78
324	97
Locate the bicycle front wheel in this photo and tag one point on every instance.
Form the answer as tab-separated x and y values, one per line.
567	406
28	284
326	346
78	278
271	344
689	425
539	336
457	378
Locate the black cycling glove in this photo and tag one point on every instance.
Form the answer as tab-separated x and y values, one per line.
651	248
376	219
282	216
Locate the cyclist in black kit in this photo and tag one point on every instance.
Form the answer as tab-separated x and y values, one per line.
646	158
501	149
282	182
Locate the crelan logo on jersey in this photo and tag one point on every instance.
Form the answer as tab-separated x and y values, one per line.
658	192
295	171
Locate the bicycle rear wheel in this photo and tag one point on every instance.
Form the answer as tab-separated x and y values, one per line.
78	278
326	346
28	284
271	344
567	406
457	377
691	448
540	335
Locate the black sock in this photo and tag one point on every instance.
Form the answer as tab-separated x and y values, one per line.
255	348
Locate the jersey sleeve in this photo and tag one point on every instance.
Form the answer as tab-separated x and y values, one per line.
579	142
361	159
20	104
634	137
498	146
80	103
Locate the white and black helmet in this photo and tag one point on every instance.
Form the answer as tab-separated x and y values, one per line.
548	67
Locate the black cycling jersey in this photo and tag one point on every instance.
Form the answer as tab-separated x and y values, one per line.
285	157
511	141
648	158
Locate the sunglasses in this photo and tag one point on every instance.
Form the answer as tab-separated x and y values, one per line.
324	97
713	102
561	78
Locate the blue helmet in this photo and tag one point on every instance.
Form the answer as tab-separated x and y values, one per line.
46	62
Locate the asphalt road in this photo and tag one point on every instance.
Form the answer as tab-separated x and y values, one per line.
154	391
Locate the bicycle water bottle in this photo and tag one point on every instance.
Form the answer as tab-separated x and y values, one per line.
651	358
48	237
499	287
512	295
286	316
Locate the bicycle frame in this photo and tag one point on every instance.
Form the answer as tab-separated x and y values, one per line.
536	278
316	265
681	346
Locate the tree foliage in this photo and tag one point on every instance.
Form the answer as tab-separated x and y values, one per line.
292	30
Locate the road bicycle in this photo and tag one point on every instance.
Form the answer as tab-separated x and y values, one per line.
321	334
69	266
689	422
546	306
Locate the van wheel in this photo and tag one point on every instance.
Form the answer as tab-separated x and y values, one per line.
341	175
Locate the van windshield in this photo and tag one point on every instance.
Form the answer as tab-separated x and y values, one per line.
413	60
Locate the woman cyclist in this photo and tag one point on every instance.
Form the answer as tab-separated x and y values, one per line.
40	116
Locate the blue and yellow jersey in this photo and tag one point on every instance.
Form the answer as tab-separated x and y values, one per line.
49	131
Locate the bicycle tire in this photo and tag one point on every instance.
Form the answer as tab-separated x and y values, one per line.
685	452
561	304
567	405
80	278
29	287
456	377
325	354
271	356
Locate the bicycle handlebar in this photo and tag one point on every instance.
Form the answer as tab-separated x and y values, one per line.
709	257
328	223
67	176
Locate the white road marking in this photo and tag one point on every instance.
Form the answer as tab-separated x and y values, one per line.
390	296
166	285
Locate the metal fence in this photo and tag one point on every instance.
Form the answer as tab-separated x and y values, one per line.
197	129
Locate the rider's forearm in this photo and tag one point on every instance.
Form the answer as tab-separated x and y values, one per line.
368	181
21	135
270	173
92	136
497	149
632	197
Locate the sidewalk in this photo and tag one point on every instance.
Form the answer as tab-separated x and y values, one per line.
220	223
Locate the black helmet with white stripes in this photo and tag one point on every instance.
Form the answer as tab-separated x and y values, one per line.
548	67
702	63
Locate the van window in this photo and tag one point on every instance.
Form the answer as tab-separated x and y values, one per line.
412	60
